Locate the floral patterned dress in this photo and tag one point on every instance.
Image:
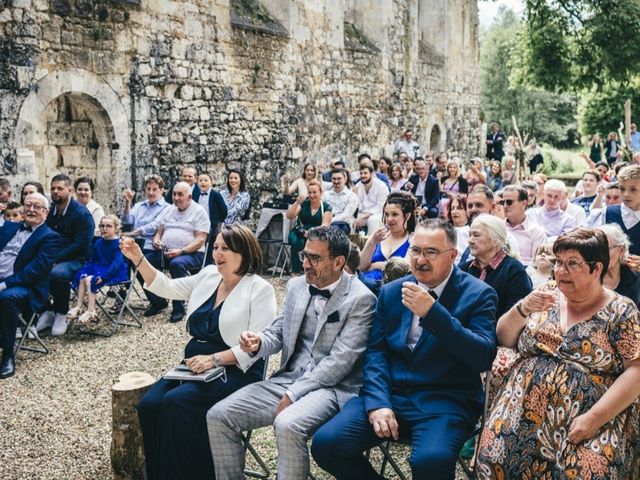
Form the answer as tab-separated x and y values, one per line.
555	379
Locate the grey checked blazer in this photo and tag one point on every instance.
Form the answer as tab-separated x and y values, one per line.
340	338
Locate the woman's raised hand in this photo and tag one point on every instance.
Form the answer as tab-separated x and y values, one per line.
540	300
130	249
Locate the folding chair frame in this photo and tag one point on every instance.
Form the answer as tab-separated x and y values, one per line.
124	305
467	465
246	441
26	332
284	252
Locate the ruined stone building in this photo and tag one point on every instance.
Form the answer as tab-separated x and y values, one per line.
116	89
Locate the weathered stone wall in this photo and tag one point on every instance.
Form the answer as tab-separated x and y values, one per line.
149	85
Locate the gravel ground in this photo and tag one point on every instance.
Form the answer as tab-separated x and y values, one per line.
55	417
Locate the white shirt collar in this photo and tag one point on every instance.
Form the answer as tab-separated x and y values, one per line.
438	289
628	213
331	287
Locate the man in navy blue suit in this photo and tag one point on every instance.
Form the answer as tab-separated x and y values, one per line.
189	175
74	223
426	189
213	203
422	366
27	253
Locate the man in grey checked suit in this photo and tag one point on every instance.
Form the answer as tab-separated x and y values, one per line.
322	331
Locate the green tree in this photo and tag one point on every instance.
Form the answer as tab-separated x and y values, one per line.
568	45
545	115
603	110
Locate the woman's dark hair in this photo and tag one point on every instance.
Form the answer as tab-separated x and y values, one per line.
395	166
38	186
407	203
243	182
386	160
462	200
86	180
590	243
241	240
304	169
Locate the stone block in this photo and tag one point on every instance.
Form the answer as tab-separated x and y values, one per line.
204	114
144	69
74	156
68	133
186	92
5	16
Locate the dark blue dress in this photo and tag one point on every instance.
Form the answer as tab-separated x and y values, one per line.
106	262
373	278
173	415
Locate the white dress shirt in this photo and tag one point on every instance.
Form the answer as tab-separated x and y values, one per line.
416	330
373	201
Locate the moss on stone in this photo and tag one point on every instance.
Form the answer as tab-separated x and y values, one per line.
251	15
355	39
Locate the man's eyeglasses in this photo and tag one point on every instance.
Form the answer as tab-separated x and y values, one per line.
311	258
508	202
34	206
571	265
428	253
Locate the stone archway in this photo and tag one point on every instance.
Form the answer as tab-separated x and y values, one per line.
75	123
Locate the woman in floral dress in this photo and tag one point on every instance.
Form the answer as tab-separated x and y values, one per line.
568	408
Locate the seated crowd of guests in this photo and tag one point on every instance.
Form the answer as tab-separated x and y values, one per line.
77	245
381	344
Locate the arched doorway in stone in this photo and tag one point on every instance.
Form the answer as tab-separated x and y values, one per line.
74	123
434	139
78	141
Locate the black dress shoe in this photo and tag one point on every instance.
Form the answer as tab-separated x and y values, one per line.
176	317
8	367
154	309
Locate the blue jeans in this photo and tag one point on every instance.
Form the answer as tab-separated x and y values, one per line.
60	284
436	440
178	267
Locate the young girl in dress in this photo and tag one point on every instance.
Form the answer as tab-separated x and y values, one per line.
541	269
106	266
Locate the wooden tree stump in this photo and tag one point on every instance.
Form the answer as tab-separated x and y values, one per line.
127	450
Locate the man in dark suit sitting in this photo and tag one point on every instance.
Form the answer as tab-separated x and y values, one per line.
422	366
75	225
189	175
27	252
426	189
213	203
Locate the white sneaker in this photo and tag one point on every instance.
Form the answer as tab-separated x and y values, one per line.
45	321
60	325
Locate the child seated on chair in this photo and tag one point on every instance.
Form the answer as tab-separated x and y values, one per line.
106	266
541	269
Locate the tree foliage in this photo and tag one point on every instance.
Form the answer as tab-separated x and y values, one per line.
568	45
548	116
602	111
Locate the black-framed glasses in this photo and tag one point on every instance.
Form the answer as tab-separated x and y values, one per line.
570	265
428	253
310	257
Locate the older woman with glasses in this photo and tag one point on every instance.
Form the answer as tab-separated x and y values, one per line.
568	408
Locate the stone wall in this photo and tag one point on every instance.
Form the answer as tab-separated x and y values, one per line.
150	85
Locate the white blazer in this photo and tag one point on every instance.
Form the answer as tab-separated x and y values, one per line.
251	305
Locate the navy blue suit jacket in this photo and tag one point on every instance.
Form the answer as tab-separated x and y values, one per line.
442	374
76	228
431	191
34	261
217	209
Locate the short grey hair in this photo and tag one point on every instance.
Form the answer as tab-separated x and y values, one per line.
182	186
615	232
555	185
439	224
39	196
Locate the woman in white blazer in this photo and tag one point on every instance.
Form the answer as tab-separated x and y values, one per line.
225	299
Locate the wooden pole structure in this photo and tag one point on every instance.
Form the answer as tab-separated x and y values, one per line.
520	156
127	450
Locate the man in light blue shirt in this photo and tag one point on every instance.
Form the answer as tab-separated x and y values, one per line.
145	215
634	138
